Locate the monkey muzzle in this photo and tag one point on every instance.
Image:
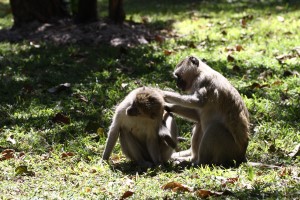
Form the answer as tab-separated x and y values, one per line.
181	84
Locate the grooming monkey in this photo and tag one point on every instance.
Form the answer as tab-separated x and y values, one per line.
146	132
220	134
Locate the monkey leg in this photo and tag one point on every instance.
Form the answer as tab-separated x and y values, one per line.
182	155
154	149
195	143
133	150
192	153
219	148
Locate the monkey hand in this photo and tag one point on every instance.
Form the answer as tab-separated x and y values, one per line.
168	107
170	97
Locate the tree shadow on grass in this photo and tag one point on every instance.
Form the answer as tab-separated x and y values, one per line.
96	75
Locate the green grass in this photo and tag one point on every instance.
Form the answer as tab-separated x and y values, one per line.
101	76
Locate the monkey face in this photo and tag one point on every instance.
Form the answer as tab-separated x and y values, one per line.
146	105
132	110
185	73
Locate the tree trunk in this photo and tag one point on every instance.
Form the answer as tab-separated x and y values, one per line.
87	11
26	11
116	11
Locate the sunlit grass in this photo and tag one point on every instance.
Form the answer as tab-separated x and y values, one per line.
101	76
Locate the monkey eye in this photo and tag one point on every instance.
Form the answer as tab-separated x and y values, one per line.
194	60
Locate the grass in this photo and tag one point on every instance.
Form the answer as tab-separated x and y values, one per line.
58	158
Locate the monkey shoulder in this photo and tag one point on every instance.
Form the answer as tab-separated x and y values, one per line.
220	95
135	125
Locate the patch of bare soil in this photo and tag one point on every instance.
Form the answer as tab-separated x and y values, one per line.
66	32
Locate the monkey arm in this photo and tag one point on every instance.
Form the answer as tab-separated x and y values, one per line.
113	136
187	113
164	134
189	101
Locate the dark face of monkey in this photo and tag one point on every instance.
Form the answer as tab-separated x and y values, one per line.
146	105
185	72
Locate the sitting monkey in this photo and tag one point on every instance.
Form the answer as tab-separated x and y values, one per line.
147	133
220	135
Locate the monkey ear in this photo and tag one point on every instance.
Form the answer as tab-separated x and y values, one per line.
194	60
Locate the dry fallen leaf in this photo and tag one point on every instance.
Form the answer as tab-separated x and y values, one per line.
88	189
285	171
168	52
176	187
278	82
230	58
243	22
67	154
235	48
7	154
258	86
207	193
230	181
284	57
127	194
159	38
239	47
203	193
21	155
60	118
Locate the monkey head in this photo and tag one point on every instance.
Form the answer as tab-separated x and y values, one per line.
146	104
186	71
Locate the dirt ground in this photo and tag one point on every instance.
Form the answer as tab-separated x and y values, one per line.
66	32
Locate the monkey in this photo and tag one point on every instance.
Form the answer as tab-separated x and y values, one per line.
147	133
221	132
